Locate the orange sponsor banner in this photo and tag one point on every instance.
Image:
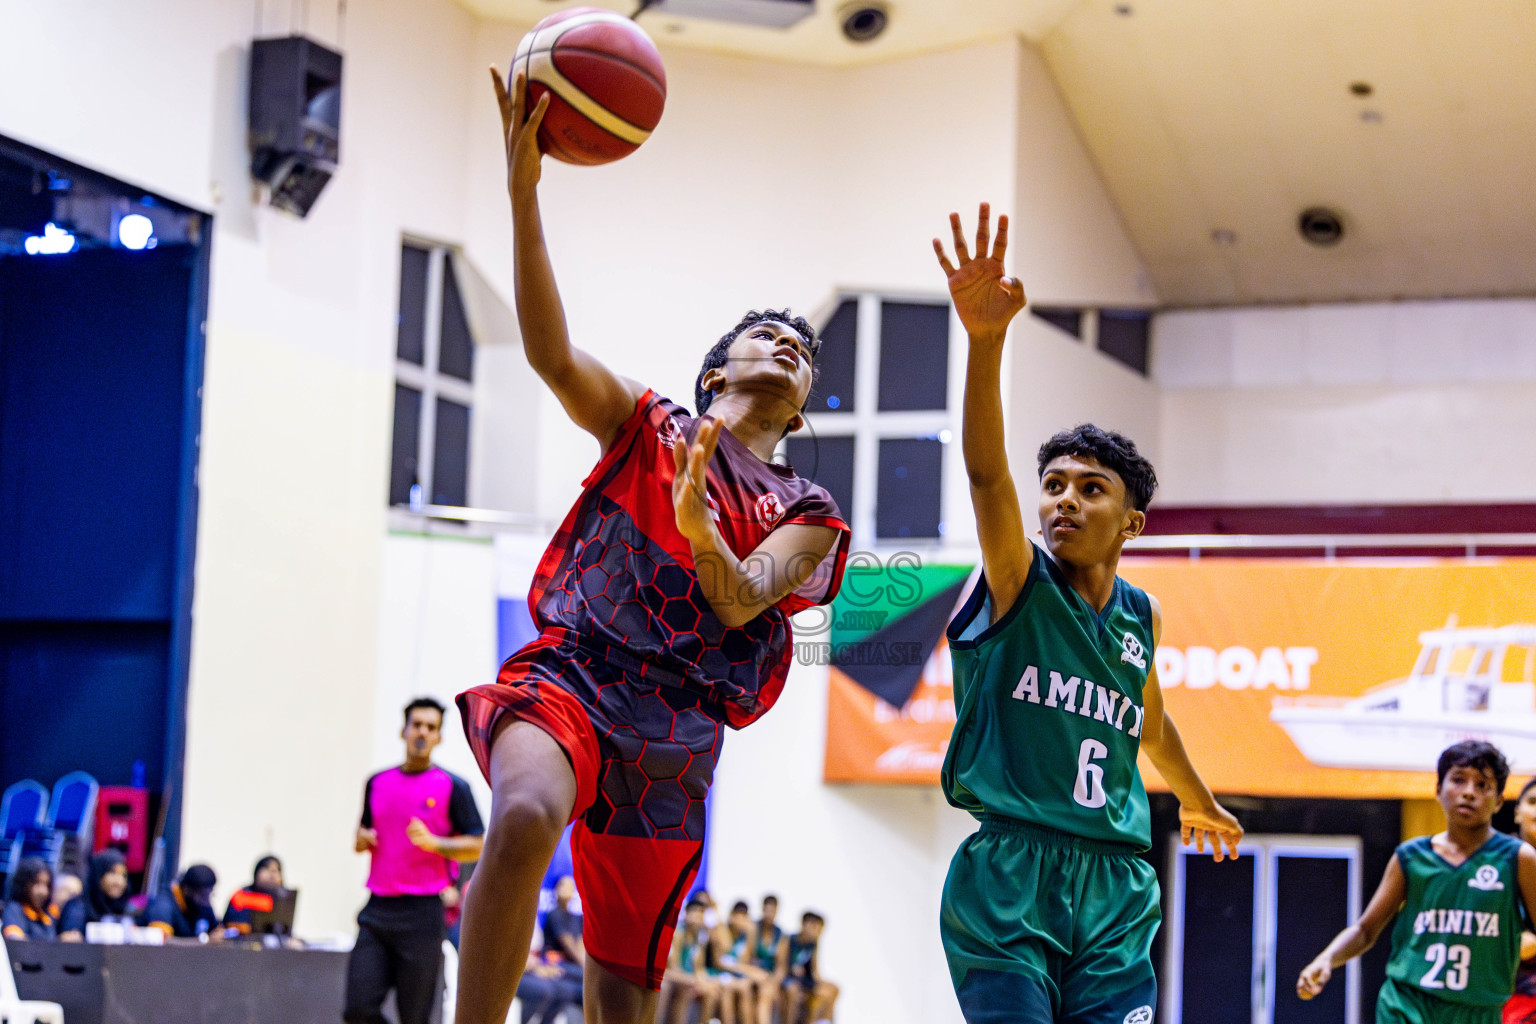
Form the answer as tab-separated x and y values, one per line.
870	741
1286	678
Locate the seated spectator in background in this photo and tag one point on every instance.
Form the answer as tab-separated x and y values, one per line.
266	883
711	913
185	911
770	954
687	981
805	990
731	965
562	928
563	947
105	897
30	913
545	990
66	887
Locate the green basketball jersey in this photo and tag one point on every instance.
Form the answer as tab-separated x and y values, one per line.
1048	705
1458	935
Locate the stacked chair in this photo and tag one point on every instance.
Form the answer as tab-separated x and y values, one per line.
60	834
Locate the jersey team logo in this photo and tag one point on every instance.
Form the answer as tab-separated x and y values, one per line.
1486	879
1140	1015
769	509
1136	655
668	433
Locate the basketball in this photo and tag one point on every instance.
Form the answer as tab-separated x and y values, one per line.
605	81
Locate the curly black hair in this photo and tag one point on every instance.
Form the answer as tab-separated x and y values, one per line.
716	357
1477	754
1110	450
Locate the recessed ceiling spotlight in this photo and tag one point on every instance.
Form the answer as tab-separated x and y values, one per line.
1321	226
862	22
1371	116
1361	88
1124	10
1224	236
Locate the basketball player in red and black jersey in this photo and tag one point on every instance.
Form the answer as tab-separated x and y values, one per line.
663	605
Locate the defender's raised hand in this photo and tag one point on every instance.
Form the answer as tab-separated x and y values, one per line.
985	297
519	133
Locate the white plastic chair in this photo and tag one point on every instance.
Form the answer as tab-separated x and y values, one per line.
15	1010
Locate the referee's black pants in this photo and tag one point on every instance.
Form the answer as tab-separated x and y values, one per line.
400	947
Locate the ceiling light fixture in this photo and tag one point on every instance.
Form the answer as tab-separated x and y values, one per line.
863	22
1321	226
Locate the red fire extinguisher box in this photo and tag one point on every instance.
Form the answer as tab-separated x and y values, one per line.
122	823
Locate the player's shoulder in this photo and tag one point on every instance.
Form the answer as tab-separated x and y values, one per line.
383	773
458	782
1416	850
1503	844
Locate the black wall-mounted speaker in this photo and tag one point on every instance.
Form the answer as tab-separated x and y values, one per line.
295	119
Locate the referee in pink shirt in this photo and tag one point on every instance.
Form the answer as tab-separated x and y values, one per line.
418	822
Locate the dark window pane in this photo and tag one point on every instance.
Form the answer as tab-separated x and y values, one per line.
410	337
833	390
1069	320
1312	906
1123	336
456	351
908	489
450	455
402	463
827	461
914	356
1218	940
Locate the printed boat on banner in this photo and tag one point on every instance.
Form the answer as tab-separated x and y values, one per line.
1468	683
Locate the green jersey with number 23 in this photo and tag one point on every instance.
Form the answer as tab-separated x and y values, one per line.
1458	934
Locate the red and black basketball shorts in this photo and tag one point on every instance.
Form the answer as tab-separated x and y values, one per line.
644	753
1521	1009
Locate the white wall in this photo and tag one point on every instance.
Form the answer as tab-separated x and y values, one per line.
1337	404
298	388
436	638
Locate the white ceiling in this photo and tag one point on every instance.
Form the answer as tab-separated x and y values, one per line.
1231	116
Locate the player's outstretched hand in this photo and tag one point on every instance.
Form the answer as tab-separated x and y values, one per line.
985	298
688	481
1216	826
519	134
1313	977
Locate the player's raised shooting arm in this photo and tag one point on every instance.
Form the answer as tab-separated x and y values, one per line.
1201	818
739	590
596	399
986	301
1358	937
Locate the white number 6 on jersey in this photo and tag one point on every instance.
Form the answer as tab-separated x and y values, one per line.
1089	790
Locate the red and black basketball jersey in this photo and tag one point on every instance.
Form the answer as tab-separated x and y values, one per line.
619	578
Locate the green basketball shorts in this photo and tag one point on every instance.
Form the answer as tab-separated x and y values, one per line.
1042	927
1397	1003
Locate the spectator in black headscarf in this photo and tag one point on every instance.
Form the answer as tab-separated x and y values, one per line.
186	909
259	896
105	897
30	913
